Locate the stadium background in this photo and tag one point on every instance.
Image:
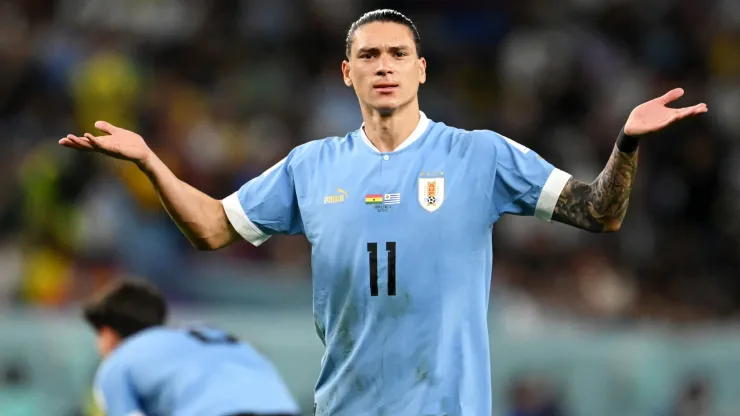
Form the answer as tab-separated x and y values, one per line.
636	323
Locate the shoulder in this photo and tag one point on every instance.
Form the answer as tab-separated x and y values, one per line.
128	355
310	151
152	344
492	138
490	142
107	380
475	142
112	368
330	144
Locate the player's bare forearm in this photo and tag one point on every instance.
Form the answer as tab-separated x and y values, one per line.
200	217
602	205
599	206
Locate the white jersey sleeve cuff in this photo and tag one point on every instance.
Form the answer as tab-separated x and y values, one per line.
241	222
550	194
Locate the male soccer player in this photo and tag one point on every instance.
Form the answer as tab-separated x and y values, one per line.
152	370
399	216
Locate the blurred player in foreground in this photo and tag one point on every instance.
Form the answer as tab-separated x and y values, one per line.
152	370
399	216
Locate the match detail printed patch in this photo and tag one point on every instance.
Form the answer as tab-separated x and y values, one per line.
383	202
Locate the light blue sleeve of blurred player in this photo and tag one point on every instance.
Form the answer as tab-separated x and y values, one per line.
114	393
524	184
266	205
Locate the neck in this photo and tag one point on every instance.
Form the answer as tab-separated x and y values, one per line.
387	132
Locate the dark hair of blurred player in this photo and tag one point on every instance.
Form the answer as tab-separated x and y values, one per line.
123	309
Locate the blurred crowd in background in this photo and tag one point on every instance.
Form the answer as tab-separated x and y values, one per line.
223	89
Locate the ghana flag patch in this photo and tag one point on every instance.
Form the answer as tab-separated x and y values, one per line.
372	199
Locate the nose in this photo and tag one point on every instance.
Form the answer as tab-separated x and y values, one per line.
385	65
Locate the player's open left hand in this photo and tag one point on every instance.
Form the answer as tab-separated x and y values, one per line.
654	115
119	143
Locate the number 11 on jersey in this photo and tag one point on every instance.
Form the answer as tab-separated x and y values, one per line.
372	250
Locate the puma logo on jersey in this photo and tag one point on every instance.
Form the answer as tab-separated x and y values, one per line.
335	199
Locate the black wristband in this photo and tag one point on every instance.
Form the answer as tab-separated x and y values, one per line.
627	144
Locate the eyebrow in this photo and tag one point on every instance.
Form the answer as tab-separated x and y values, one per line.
376	49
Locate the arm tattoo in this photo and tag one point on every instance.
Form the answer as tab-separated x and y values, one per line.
601	205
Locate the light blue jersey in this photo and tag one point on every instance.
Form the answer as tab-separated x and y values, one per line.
401	259
189	372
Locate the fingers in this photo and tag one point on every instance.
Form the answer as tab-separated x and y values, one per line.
671	96
94	141
69	143
74	142
106	127
682	113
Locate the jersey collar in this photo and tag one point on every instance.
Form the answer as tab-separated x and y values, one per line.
418	131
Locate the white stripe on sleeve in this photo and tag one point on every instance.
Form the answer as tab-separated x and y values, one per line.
241	222
550	194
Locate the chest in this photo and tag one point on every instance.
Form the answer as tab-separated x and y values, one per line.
363	194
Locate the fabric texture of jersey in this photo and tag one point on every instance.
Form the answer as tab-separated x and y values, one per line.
401	259
188	372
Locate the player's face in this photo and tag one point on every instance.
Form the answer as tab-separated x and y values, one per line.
383	66
107	341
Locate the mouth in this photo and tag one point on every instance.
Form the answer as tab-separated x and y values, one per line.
385	87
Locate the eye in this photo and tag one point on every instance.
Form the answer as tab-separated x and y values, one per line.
400	54
366	56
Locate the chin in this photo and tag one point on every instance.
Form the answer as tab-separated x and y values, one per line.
386	111
386	107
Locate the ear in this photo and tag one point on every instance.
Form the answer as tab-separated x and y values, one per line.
345	73
111	335
422	70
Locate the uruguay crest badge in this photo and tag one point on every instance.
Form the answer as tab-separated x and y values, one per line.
431	192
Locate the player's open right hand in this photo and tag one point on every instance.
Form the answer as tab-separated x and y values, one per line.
119	143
